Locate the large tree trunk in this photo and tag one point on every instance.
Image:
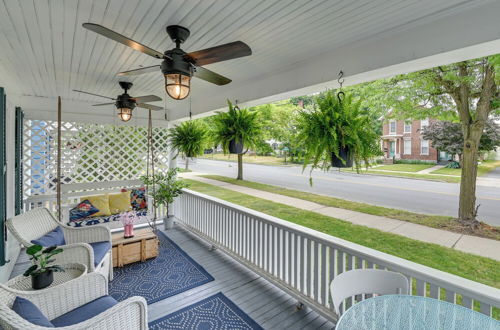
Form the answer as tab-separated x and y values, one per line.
467	204
240	167
187	164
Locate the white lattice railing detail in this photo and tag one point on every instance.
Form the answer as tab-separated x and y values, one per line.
303	261
90	153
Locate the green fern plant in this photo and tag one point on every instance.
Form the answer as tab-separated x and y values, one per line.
189	138
240	125
333	124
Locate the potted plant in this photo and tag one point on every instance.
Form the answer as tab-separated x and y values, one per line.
167	188
188	138
42	272
236	130
336	133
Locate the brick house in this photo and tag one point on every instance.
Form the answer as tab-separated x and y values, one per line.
402	139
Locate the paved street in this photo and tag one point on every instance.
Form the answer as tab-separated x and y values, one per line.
413	195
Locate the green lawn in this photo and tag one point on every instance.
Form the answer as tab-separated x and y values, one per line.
449	179
404	167
469	266
434	221
482	169
262	160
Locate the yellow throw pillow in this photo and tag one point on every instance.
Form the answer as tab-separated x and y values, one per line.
101	202
120	202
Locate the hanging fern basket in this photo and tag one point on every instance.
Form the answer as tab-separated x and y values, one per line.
235	147
345	159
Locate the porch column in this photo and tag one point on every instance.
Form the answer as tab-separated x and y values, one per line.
172	161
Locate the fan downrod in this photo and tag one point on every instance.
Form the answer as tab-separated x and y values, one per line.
178	34
125	85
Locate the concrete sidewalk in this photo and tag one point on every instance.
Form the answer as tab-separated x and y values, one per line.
480	246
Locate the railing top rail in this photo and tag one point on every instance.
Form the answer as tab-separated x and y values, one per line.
465	286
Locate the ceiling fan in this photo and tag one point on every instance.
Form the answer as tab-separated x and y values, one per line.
126	103
178	66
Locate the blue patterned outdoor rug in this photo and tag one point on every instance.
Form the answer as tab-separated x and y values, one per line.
214	312
172	272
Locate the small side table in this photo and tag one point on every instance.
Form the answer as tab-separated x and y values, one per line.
71	271
143	246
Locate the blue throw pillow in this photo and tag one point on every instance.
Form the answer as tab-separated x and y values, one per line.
83	210
28	311
55	237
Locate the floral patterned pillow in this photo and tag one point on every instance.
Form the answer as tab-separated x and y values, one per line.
83	210
138	198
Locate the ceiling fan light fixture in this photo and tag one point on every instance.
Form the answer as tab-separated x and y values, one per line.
125	114
177	85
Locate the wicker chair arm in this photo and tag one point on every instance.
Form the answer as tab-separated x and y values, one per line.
127	314
81	253
90	234
60	299
53	302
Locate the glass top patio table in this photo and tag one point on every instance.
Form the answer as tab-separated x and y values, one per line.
399	312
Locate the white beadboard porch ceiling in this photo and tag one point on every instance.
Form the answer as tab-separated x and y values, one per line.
45	52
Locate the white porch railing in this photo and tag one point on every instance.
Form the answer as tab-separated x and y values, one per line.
303	261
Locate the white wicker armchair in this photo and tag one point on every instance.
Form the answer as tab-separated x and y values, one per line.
39	221
56	301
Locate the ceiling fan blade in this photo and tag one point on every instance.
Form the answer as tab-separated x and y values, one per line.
210	76
101	104
106	97
146	98
148	69
149	106
122	39
220	53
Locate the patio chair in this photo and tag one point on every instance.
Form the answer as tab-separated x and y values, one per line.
366	281
90	246
82	303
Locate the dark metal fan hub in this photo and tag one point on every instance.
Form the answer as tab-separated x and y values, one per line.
178	33
125	101
176	63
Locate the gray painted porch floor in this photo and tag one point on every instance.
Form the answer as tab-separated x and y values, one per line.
269	306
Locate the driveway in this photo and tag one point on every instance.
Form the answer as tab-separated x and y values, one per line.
420	196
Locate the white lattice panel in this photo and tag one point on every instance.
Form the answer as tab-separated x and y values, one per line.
90	153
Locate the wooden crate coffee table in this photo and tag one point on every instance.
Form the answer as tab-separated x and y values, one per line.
144	245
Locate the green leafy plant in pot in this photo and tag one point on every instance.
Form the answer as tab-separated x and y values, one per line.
189	138
336	133
166	188
42	272
236	130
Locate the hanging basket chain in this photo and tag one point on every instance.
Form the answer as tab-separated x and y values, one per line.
340	80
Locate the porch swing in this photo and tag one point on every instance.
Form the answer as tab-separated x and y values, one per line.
96	195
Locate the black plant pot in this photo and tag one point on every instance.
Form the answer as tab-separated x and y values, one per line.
42	280
345	155
235	147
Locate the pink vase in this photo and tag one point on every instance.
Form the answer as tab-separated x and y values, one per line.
128	231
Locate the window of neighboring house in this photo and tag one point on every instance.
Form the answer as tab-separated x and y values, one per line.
407	147
424	123
407	128
392	127
424	147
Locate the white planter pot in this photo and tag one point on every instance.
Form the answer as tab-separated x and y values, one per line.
168	222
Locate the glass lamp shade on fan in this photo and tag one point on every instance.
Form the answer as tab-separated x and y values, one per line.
125	114
177	85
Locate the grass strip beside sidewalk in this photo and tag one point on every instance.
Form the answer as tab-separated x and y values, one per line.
433	221
466	265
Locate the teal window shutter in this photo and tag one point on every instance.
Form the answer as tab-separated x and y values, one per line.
3	211
19	160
